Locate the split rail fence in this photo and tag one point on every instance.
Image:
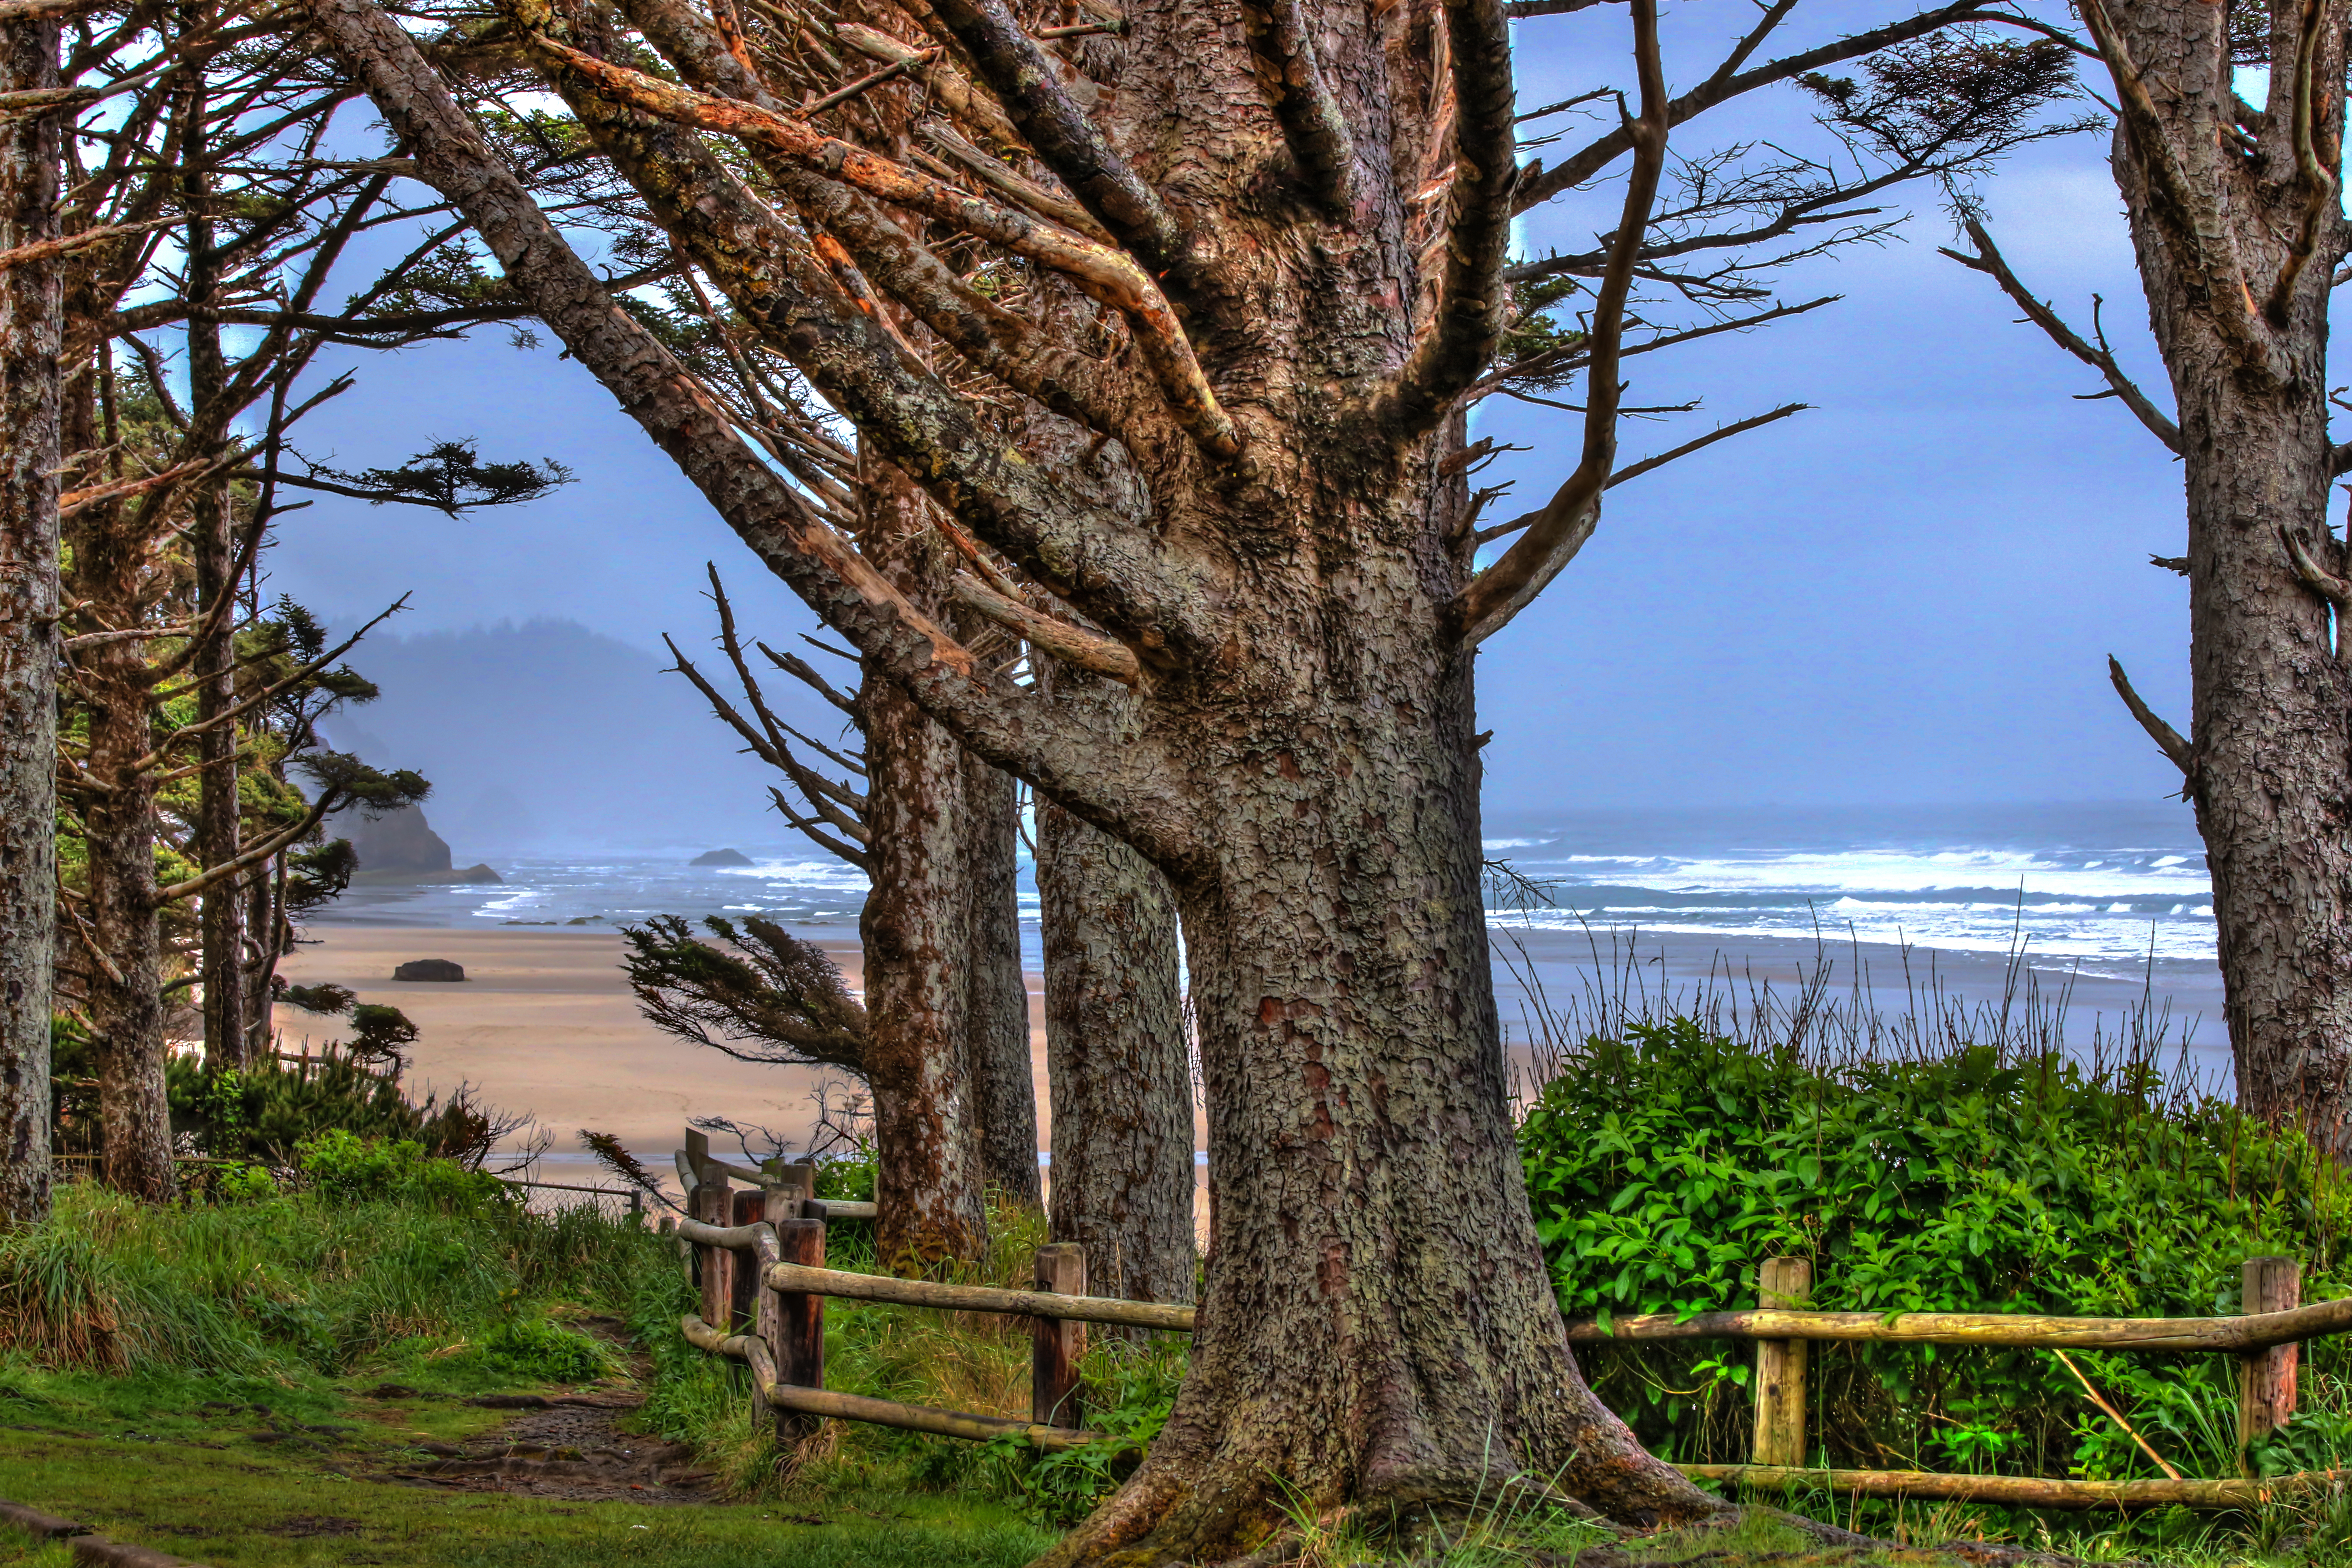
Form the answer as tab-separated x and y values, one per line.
764	1285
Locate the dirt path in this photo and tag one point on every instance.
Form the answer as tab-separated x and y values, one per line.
565	1447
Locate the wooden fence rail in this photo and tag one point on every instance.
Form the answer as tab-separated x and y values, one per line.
762	1257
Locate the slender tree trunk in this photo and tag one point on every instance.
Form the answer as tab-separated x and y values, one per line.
213	550
2238	228
265	925
917	937
31	302
2273	717
1119	1062
126	1007
1003	1074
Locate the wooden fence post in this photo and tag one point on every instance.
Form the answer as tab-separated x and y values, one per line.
712	1205
1054	1395
798	1345
1781	1284
801	1182
2266	1378
749	1208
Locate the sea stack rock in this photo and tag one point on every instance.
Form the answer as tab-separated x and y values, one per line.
429	969
720	857
401	846
399	843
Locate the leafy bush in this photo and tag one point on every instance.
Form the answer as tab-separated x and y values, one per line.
264	1111
346	1165
244	1183
1665	1166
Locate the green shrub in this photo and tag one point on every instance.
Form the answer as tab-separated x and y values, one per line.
1664	1166
243	1183
346	1165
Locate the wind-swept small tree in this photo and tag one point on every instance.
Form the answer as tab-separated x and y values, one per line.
947	1061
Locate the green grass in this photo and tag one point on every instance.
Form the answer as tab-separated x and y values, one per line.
194	1379
239	1505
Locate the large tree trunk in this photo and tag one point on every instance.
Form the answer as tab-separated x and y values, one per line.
31	300
2273	720
1118	1064
2241	319
1377	1327
1005	1078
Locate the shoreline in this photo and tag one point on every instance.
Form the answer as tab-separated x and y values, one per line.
545	1022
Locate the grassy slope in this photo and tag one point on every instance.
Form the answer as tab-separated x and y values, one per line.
164	1376
188	1465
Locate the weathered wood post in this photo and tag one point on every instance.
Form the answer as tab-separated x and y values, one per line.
799	1343
1781	1284
2266	1377
1055	1398
800	1179
749	1208
713	1206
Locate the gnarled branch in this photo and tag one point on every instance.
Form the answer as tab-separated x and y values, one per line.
1468	319
1003	724
1071	645
1103	273
1990	261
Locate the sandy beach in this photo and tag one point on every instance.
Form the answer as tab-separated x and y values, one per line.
544	1022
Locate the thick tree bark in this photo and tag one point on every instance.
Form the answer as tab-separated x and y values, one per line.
996	1011
917	934
1378	1325
2238	226
31	302
1118	1064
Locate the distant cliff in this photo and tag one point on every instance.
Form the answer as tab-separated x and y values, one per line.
401	846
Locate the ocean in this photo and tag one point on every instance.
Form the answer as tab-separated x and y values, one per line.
2110	886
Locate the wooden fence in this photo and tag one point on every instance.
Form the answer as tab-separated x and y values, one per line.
764	1285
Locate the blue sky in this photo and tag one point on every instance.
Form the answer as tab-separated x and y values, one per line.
1905	595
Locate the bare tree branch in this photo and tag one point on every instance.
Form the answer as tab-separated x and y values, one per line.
1552	540
1990	261
2167	740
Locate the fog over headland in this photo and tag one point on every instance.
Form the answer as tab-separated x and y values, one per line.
548	736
